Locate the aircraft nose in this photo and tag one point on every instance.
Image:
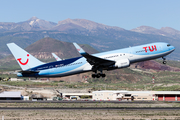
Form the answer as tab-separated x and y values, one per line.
173	48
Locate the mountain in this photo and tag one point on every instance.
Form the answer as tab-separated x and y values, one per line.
164	31
69	25
43	48
38	24
31	24
171	32
99	36
148	30
5	26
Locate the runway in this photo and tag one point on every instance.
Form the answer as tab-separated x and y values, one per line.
90	108
87	105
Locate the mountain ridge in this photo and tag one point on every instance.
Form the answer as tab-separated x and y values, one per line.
43	48
97	35
164	31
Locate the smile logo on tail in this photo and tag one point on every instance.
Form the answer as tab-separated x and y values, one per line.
78	49
19	59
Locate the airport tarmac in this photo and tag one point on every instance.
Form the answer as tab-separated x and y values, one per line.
90	108
81	110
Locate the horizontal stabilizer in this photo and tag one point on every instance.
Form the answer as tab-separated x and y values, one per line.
56	57
28	72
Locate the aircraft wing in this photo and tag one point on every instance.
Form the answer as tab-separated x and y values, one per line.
93	60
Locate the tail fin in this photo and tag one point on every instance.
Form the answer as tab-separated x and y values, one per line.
56	57
24	59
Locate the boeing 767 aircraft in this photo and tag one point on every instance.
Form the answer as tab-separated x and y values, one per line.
116	59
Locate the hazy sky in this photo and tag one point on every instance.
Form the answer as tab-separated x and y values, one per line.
127	14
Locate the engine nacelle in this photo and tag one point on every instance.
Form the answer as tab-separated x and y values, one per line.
122	63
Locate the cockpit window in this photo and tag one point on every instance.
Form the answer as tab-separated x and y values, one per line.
168	45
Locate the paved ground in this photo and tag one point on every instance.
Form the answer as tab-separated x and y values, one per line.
88	110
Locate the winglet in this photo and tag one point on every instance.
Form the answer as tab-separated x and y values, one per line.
56	57
79	49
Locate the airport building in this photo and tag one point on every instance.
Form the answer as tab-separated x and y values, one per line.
77	95
104	95
136	95
167	95
9	95
119	95
108	95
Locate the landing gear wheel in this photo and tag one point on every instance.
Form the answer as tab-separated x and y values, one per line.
98	75
103	75
164	62
93	75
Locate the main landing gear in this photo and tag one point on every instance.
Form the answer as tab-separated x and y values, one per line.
164	60
98	75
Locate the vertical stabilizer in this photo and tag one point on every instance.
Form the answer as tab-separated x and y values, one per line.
24	59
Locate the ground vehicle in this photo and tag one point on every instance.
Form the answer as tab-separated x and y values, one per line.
75	98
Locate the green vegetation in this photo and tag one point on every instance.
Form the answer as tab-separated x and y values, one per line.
154	104
5	76
30	83
10	65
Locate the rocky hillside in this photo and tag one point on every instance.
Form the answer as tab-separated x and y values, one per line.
153	65
43	48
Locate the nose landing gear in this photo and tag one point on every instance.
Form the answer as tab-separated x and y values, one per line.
164	60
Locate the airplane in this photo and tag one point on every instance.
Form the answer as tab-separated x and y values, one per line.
56	57
97	63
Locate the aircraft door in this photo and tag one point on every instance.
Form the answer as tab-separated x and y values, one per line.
160	48
130	53
51	69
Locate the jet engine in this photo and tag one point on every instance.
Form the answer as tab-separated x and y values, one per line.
122	63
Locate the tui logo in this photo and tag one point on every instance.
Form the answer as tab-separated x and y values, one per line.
151	48
19	59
